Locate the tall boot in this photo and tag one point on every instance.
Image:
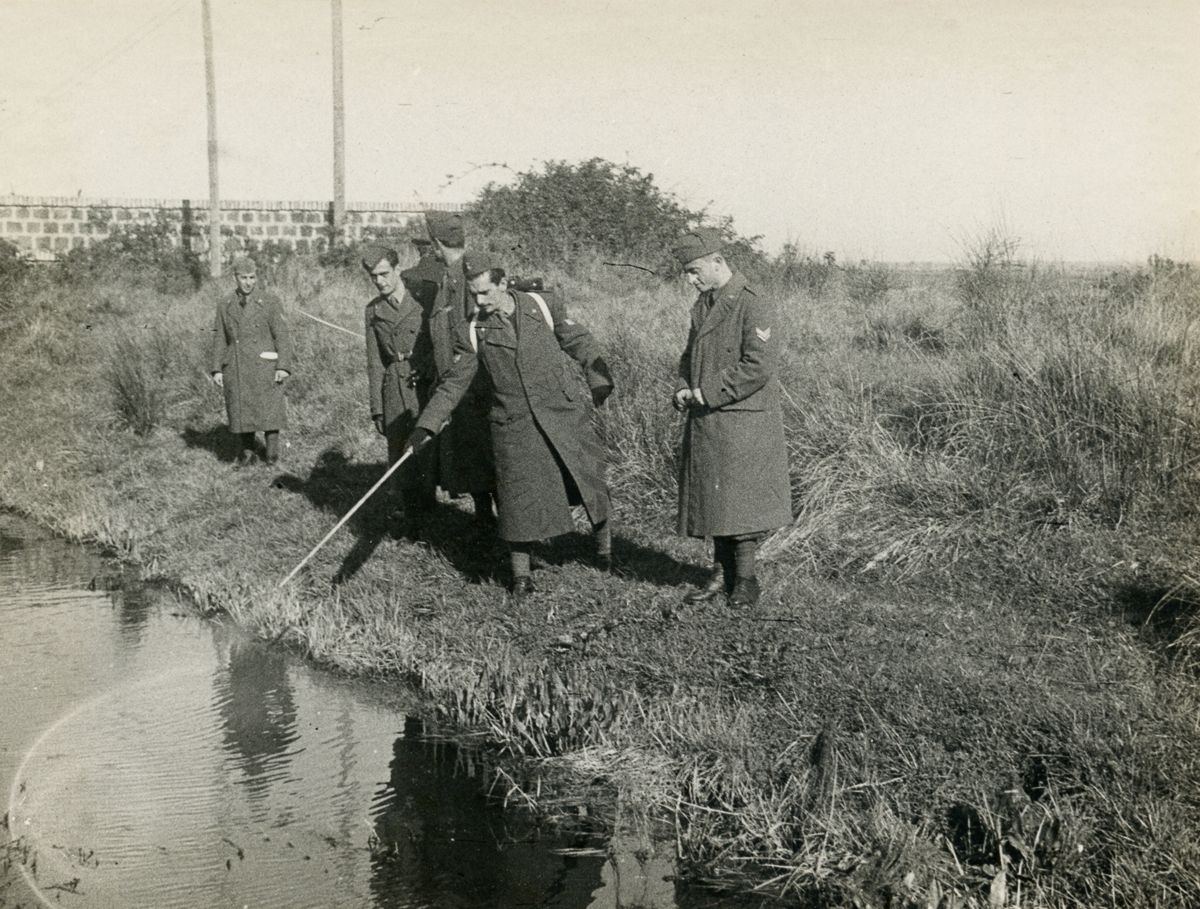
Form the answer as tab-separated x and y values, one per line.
272	437
245	449
745	587
720	582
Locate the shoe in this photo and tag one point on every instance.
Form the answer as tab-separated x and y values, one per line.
604	561
715	587
745	592
521	588
245	459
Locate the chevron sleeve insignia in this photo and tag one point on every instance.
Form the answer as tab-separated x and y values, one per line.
764	334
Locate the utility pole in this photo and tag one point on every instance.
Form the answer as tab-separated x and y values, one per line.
339	129
214	194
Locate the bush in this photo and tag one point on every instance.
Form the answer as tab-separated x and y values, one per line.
145	255
13	272
567	214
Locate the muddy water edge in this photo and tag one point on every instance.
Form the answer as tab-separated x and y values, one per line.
152	758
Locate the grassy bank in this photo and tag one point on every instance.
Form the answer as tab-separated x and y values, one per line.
972	673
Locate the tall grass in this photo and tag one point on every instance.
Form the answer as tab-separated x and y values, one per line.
990	469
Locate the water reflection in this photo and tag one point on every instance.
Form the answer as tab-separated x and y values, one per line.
442	842
257	707
161	761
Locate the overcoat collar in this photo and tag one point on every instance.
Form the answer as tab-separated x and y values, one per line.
235	307
388	309
723	300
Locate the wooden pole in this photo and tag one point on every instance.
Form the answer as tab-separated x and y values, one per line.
346	517
339	129
214	194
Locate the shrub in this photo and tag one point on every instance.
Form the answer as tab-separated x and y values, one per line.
145	255
141	373
569	213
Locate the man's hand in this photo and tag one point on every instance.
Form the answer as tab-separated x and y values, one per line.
698	398
681	399
600	394
378	419
218	379
418	440
280	375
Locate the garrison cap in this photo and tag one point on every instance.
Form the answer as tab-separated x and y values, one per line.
421	243
702	241
244	265
477	263
445	226
427	270
375	252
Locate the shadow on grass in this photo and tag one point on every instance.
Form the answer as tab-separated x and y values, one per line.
335	484
632	559
217	440
1164	615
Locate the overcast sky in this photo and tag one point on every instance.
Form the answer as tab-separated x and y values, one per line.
881	129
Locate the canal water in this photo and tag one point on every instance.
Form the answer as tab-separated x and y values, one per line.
149	758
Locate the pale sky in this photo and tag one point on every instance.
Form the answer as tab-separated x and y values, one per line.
879	129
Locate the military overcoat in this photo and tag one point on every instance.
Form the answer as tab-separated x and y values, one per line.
393	329
547	453
733	476
461	457
247	328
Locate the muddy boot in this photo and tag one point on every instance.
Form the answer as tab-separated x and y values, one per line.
272	438
720	583
745	592
245	456
713	589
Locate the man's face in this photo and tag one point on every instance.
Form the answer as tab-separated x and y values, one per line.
245	281
704	273
488	295
385	277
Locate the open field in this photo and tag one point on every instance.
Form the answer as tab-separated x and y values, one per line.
972	677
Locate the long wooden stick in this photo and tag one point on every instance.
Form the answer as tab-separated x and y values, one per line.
330	324
346	517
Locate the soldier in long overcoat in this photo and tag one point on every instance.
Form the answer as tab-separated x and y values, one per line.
461	457
393	329
733	478
548	456
251	357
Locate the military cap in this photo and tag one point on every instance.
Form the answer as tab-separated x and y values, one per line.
427	270
244	265
445	226
375	252
476	263
702	241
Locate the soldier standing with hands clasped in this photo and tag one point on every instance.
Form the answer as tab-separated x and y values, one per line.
251	357
733	479
394	322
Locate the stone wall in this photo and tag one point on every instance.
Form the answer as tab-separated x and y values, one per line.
45	227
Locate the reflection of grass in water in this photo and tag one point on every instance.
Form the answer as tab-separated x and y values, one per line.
948	677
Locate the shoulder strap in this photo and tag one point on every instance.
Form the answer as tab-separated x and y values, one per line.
540	301
537	298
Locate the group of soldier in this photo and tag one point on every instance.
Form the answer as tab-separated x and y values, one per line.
486	387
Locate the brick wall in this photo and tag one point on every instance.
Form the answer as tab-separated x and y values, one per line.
44	227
